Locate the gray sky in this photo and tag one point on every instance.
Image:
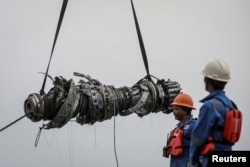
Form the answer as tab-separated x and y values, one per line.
98	38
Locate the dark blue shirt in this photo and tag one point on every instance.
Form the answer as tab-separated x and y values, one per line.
182	160
209	118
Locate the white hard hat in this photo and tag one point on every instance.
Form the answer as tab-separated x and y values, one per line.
217	70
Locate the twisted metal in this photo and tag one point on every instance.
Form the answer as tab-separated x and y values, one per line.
90	101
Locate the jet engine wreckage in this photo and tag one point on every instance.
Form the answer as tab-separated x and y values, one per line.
90	101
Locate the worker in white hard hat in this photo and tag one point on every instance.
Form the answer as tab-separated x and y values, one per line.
207	134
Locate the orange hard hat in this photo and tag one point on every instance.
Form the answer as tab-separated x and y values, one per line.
183	99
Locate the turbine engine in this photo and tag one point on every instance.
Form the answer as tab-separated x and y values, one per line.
90	101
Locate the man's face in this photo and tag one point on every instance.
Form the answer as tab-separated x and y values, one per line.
206	83
179	113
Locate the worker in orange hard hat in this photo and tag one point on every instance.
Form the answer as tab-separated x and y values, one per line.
179	139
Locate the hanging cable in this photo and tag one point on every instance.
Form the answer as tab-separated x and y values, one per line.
49	142
95	137
117	164
38	135
70	144
59	153
117	124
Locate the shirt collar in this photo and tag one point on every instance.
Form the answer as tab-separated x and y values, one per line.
187	121
212	95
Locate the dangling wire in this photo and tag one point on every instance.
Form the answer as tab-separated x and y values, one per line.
38	135
59	153
95	137
70	143
117	124
117	164
49	142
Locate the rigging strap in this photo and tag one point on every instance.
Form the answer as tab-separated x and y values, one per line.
12	123
64	5
143	51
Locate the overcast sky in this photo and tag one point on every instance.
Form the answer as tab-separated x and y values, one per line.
98	38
